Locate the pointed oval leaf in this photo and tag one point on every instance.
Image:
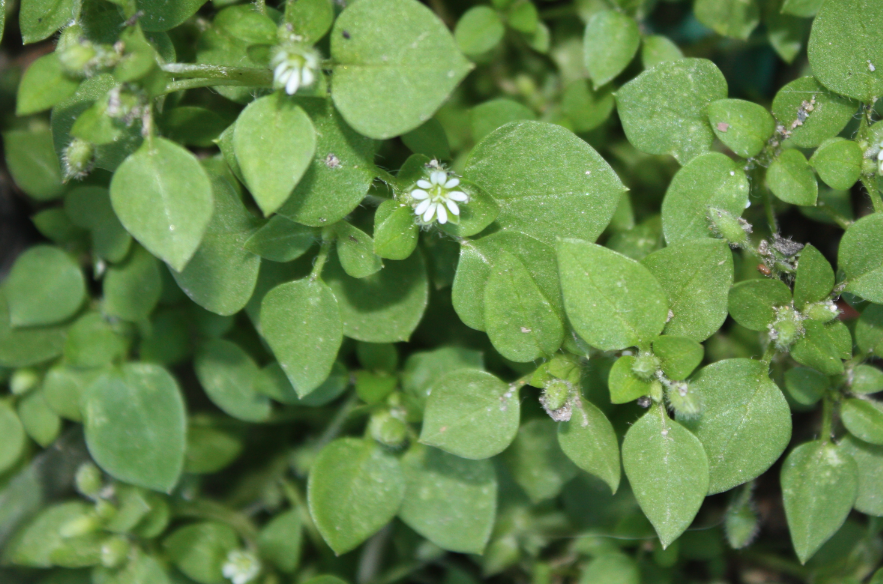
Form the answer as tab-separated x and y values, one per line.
861	257
863	419
354	489
731	18
163	197
869	461
567	189
451	501
471	414
745	424
537	462
44	286
610	43
613	302
136	425
751	303
743	126
301	322
814	279
227	374
395	232
668	470
807	129
791	179
355	251
281	240
133	288
43	85
23	347
838	162
589	441
819	487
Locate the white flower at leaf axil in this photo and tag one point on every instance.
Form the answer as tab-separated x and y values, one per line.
435	197
241	567
294	67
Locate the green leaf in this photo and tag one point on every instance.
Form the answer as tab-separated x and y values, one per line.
861	257
838	162
814	279
395	232
656	49
292	312
90	208
355	251
819	487
13	439
611	568
210	450
845	52
696	276
866	379
613	302
623	384
791	179
94	342
280	541
449	500
193	126
354	489
743	126
479	30
38	420
709	180
745	424
389	79
40	19
663	109
589	441
386	306
133	288
751	303
135	426
585	108
161	15
310	19
804	8
199	550
490	115
668	471
522	323
471	414
227	374
34	544
428	139
807	129
823	346
339	174
33	164
522	16
163	197
868	330
44	286
274	142
221	275
55	225
281	240
869	462
43	85
805	386
22	347
679	356
63	387
864	419
567	190
731	18
536	462
423	369
610	43
787	34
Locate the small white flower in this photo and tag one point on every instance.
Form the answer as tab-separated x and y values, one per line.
241	567
436	197
880	158
294	67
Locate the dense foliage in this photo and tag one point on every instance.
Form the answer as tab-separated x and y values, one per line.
376	291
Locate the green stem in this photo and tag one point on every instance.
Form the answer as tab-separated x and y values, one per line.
827	417
836	217
336	425
327	240
769	353
873	193
174	86
243	75
206	509
775	563
292	493
261	6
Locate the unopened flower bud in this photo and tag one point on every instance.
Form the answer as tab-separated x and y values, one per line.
387	429
78	158
682	400
733	229
646	365
88	480
822	311
787	328
23	381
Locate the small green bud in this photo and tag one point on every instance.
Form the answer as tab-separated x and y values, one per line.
869	166
105	510
733	229
656	391
23	381
114	552
387	429
822	311
684	402
78	158
89	480
81	525
646	365
787	328
556	399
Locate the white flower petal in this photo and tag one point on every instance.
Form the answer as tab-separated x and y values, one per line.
452	183
293	83
880	155
307	76
423	206
442	215
427	217
419	194
438	177
279	71
458	196
453	207
424	184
